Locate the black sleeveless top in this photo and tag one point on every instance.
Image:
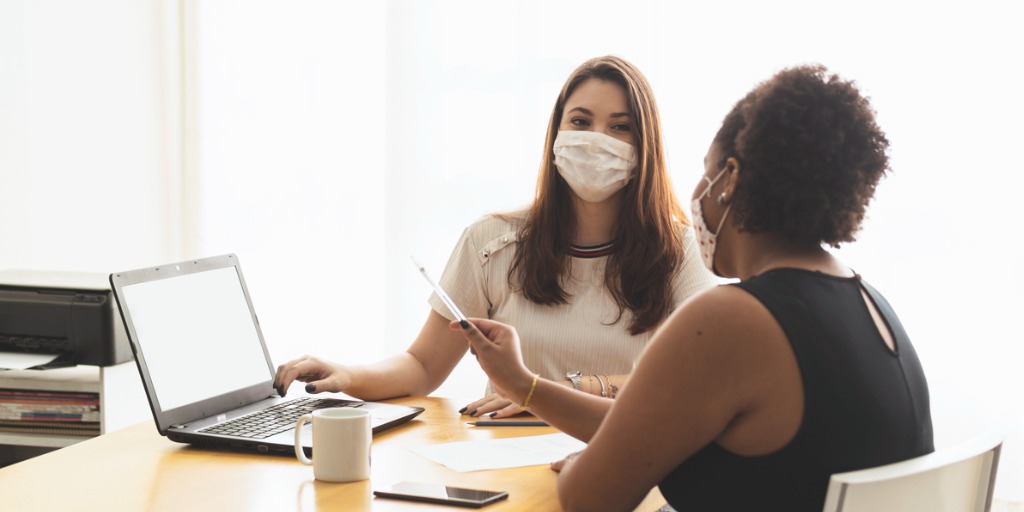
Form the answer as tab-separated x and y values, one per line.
864	405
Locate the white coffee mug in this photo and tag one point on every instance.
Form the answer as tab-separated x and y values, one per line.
341	444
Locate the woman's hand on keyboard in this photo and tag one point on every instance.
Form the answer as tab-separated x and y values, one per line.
319	375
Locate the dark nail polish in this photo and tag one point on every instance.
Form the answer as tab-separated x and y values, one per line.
473	412
464	324
280	390
310	388
493	414
463	409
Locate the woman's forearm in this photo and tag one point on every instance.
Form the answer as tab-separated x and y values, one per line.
577	414
399	375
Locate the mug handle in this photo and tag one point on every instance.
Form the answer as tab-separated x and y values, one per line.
298	439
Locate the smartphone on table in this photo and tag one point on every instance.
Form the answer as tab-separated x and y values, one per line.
440	493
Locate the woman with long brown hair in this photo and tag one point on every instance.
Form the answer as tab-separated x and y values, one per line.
586	273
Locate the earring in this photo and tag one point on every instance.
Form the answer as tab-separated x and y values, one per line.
720	199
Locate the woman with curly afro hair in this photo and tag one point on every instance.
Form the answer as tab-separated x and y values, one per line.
754	393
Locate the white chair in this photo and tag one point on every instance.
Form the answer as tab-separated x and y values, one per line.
958	479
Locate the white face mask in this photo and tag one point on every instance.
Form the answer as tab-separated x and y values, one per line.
594	165
705	238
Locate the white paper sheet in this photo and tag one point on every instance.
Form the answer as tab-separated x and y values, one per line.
21	361
501	453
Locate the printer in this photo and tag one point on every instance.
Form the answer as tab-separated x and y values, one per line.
72	316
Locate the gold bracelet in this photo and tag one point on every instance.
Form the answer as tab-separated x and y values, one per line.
533	386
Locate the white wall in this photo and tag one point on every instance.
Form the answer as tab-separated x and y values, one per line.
291	168
87	135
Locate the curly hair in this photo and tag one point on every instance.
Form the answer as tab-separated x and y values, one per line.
810	156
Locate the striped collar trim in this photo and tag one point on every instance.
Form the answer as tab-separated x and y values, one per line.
591	251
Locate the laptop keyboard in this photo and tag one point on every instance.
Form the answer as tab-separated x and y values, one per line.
276	419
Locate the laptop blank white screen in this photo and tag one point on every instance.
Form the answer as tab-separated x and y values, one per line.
197	336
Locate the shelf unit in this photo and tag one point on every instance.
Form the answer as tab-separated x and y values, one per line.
122	401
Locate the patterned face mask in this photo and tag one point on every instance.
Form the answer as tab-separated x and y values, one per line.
705	237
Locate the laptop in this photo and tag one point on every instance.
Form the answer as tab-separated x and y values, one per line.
205	366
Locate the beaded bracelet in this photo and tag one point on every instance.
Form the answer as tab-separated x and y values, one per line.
612	388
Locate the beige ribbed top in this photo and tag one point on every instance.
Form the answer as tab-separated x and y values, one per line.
579	335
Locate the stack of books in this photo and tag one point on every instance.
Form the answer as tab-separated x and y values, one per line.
49	412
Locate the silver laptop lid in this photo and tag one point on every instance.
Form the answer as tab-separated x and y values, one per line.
196	338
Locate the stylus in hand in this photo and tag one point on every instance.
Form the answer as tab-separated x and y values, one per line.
440	293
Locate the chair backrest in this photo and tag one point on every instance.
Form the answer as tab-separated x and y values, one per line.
958	479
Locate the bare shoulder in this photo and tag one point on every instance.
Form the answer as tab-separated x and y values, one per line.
721	309
724	320
720	356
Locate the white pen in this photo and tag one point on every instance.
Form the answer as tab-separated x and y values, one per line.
440	292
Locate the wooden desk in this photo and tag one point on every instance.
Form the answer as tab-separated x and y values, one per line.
136	469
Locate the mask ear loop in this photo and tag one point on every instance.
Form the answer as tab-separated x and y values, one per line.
711	183
718	231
